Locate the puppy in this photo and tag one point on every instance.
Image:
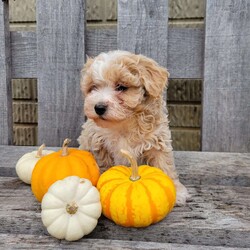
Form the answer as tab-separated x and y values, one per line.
123	100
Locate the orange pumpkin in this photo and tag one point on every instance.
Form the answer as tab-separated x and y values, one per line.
136	196
58	165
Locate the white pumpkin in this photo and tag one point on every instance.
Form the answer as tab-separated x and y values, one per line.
27	162
71	208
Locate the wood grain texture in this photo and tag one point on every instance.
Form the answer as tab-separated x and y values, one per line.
185	138
216	217
185	50
25	135
6	135
224	211
47	242
61	54
226	93
23	54
205	168
143	28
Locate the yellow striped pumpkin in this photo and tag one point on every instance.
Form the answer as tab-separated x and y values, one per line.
136	196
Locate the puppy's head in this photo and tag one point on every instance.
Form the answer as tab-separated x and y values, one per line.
115	84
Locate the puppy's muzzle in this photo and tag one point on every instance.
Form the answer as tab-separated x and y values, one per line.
100	109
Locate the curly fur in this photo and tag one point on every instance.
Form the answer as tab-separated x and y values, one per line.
135	118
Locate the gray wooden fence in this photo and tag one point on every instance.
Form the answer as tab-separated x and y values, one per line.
55	54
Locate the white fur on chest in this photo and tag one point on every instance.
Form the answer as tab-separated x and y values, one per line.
115	142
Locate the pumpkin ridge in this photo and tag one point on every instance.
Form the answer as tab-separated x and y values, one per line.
57	197
149	171
73	166
55	210
68	233
56	170
89	203
107	202
85	213
168	192
60	215
38	170
148	175
121	169
143	168
81	158
107	181
153	208
76	186
37	187
130	219
69	164
59	200
80	201
87	169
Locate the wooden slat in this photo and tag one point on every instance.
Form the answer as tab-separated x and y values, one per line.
143	29
6	136
61	52
194	167
216	216
226	105
23	54
185	50
46	242
100	40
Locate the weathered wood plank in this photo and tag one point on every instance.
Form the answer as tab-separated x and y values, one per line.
22	241
184	115
25	135
143	28
23	54
24	89
194	167
185	50
213	168
6	134
185	53
185	139
185	90
226	106
100	40
61	55
216	216
24	112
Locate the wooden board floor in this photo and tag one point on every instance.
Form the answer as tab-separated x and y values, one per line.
216	217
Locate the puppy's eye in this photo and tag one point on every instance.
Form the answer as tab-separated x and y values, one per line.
92	87
121	88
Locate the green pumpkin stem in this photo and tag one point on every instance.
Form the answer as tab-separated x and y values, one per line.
39	153
65	151
135	174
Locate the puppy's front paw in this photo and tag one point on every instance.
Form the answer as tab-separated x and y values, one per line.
182	194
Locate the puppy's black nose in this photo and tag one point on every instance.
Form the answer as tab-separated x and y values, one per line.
100	109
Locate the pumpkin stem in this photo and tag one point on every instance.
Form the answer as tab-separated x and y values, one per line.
39	153
72	208
65	151
135	175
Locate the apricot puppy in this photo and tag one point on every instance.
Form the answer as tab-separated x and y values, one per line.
123	100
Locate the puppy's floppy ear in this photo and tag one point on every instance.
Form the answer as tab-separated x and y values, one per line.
153	76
